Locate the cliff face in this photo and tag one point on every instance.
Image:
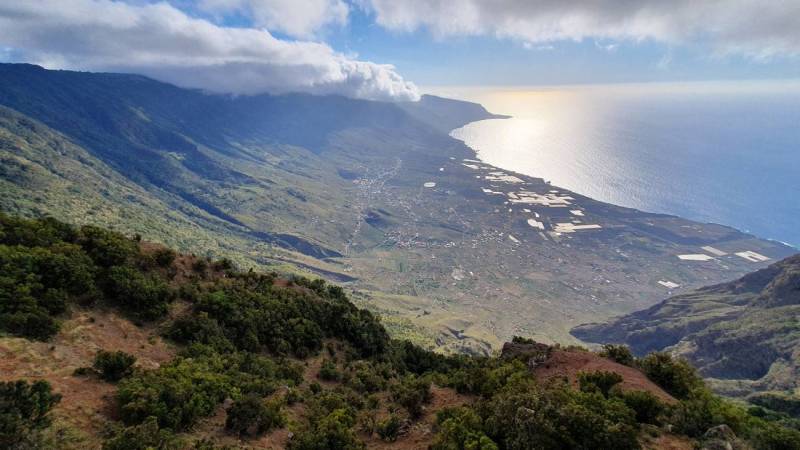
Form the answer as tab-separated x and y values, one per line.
745	334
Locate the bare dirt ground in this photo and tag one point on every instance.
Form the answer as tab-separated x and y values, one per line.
568	363
87	402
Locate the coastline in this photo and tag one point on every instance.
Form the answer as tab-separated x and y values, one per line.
477	156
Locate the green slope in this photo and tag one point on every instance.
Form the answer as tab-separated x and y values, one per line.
337	187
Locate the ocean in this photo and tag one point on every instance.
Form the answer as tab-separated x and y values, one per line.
725	152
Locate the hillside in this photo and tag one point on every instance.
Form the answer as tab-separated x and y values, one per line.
744	335
115	343
453	253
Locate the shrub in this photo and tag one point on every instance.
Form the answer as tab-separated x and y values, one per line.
619	353
461	429
412	393
558	417
251	415
675	376
200	329
334	431
600	381
328	371
106	248
140	295
389	429
648	407
164	257
200	265
176	394
24	408
114	366
145	436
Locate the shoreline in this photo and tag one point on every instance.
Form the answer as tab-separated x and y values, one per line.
477	156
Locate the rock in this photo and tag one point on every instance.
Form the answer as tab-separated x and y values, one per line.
720	437
533	353
717	444
721	432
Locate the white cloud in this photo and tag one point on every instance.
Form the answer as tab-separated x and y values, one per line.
756	28
163	42
298	18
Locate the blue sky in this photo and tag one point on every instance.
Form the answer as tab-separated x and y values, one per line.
387	49
486	60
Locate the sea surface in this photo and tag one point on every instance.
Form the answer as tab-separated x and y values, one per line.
725	152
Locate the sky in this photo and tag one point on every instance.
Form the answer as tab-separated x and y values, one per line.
397	49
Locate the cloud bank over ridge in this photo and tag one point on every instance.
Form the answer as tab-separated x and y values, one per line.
164	42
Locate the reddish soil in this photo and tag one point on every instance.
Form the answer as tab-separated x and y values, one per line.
668	442
568	363
87	401
420	433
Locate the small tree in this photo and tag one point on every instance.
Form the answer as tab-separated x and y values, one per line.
412	393
674	375
24	408
114	366
647	406
619	353
164	257
600	381
389	429
147	435
328	371
251	415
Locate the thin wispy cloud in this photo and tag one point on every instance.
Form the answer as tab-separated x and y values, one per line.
164	42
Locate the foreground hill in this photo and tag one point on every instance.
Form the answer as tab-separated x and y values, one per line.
453	253
745	334
110	342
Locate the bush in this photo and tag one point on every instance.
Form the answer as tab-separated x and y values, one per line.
145	436
558	417
389	429
114	366
251	415
675	376
328	371
648	407
107	248
140	295
619	353
461	429
164	257
412	393
334	431
600	381
176	394
24	408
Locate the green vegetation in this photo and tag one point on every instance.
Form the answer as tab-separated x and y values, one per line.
600	381
114	366
252	415
239	337
48	266
24	409
619	353
743	333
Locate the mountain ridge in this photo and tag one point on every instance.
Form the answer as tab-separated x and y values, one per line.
442	245
744	334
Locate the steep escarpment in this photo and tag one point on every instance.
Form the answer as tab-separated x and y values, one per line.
745	333
452	252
